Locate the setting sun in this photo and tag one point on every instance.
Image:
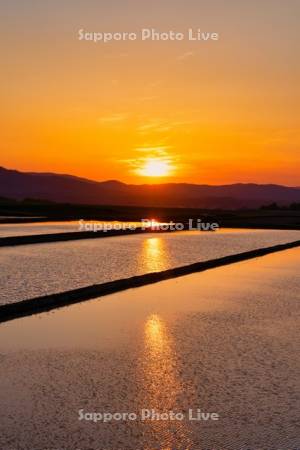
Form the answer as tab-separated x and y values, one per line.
155	167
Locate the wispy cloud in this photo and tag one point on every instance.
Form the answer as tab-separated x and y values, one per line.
155	125
155	151
185	56
113	118
161	126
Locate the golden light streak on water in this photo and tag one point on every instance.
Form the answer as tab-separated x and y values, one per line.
154	254
162	385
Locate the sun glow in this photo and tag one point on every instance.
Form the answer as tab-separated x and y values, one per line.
155	167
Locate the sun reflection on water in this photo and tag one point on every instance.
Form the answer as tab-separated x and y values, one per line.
162	386
154	255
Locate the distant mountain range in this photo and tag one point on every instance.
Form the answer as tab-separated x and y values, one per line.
71	189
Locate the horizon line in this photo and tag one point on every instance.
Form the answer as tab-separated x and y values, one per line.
147	184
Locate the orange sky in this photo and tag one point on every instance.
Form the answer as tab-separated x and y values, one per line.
213	112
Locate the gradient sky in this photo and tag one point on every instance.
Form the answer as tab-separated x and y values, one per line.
216	112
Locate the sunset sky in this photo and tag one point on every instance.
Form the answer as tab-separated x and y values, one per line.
204	112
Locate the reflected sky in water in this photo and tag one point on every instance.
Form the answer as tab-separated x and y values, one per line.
154	254
161	384
195	341
59	266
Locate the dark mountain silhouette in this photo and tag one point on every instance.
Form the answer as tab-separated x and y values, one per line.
71	189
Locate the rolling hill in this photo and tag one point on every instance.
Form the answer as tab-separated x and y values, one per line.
70	189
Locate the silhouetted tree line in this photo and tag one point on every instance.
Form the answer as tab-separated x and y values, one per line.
274	206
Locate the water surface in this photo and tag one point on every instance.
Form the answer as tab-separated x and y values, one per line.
224	341
32	270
